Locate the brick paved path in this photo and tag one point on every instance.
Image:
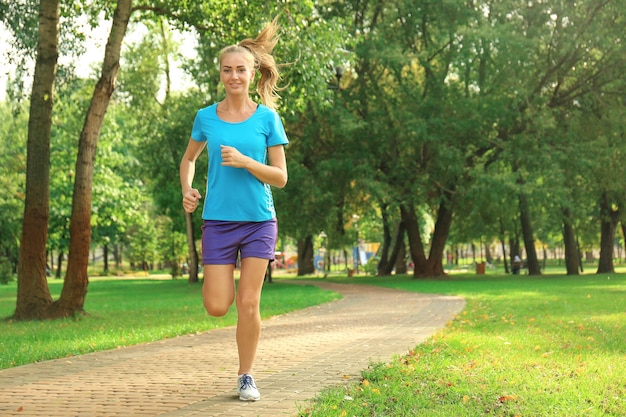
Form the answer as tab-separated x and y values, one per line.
299	354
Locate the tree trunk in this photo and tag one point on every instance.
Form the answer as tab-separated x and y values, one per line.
609	219
502	242
399	261
623	224
33	294
74	291
59	264
193	251
580	255
532	262
572	255
440	237
105	258
305	256
416	247
398	251
268	273
117	254
384	262
515	248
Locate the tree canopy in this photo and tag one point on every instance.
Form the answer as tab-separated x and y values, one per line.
432	124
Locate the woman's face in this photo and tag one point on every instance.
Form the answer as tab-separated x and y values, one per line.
236	73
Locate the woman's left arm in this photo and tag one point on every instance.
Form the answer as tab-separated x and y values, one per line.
273	174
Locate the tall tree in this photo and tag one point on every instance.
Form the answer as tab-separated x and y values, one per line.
33	295
76	280
572	253
609	219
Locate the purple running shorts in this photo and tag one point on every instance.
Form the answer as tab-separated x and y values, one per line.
223	241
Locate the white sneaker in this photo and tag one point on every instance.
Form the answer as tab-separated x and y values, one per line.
247	389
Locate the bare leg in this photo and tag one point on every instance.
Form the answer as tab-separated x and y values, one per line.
249	316
218	289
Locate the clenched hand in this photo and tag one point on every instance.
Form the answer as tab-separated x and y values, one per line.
191	198
231	157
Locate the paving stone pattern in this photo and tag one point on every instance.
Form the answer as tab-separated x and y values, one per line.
299	354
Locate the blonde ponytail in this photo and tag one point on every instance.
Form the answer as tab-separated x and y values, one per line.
260	50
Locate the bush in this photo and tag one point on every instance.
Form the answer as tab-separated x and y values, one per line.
371	267
6	271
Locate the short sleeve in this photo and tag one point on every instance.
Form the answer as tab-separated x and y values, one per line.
277	134
196	131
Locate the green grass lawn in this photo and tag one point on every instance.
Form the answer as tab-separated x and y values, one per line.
523	346
123	312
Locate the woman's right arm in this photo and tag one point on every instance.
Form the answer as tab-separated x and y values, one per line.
191	196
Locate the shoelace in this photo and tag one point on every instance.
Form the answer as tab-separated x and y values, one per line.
247	381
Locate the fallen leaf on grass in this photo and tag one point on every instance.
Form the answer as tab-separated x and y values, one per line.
505	398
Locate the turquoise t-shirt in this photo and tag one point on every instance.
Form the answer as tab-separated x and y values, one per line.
233	194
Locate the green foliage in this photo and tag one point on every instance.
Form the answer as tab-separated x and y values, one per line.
371	267
309	49
142	243
322	163
71	103
117	194
161	121
12	180
21	18
471	104
176	252
6	271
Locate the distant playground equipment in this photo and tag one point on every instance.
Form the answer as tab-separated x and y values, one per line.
363	252
361	255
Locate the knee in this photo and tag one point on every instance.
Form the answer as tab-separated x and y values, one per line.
216	309
247	307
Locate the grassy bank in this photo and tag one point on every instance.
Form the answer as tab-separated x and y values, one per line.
523	346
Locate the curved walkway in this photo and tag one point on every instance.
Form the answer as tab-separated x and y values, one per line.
299	354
